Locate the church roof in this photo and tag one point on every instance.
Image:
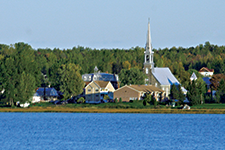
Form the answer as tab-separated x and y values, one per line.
165	76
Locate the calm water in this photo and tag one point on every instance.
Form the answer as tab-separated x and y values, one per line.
111	131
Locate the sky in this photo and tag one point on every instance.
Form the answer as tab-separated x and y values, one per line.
112	24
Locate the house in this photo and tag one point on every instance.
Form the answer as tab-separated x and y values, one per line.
95	91
206	72
137	92
160	77
45	94
98	76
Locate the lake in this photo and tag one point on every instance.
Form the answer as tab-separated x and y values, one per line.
104	131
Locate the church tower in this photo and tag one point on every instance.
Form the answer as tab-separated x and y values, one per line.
148	61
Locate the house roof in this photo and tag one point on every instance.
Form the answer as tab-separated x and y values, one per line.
193	76
165	76
101	77
48	92
205	69
102	84
145	88
207	80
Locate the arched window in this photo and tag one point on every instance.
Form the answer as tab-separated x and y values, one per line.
146	70
147	58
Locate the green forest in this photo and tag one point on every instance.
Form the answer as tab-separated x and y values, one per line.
24	68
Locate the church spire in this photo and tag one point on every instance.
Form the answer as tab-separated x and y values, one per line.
148	50
148	46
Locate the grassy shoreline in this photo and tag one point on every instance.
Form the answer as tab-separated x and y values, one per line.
113	110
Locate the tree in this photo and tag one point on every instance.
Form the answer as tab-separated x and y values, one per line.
71	83
126	65
180	94
220	93
19	73
201	86
132	76
174	94
25	87
106	97
193	94
81	100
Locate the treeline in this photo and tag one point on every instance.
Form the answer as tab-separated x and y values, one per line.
34	64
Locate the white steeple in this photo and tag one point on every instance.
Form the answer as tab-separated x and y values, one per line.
148	49
148	46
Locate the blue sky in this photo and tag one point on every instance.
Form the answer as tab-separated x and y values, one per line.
112	23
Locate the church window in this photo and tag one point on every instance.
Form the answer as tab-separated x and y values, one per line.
146	70
155	84
147	58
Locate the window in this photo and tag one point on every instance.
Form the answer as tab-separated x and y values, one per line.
146	70
96	90
156	84
147	58
89	90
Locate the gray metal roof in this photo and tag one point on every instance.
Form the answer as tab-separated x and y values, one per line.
165	76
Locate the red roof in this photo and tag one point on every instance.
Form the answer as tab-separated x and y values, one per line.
205	69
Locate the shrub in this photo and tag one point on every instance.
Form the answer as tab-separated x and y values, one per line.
120	100
81	100
116	101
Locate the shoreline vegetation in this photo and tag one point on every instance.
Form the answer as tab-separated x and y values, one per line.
94	109
113	110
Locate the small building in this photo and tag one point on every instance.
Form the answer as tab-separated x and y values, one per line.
206	72
45	94
137	92
95	91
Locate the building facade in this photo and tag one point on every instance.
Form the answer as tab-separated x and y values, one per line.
137	92
95	91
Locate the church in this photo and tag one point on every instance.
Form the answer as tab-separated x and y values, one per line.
160	77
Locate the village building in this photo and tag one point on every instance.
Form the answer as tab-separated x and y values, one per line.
95	91
160	77
137	92
98	76
45	94
206	72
